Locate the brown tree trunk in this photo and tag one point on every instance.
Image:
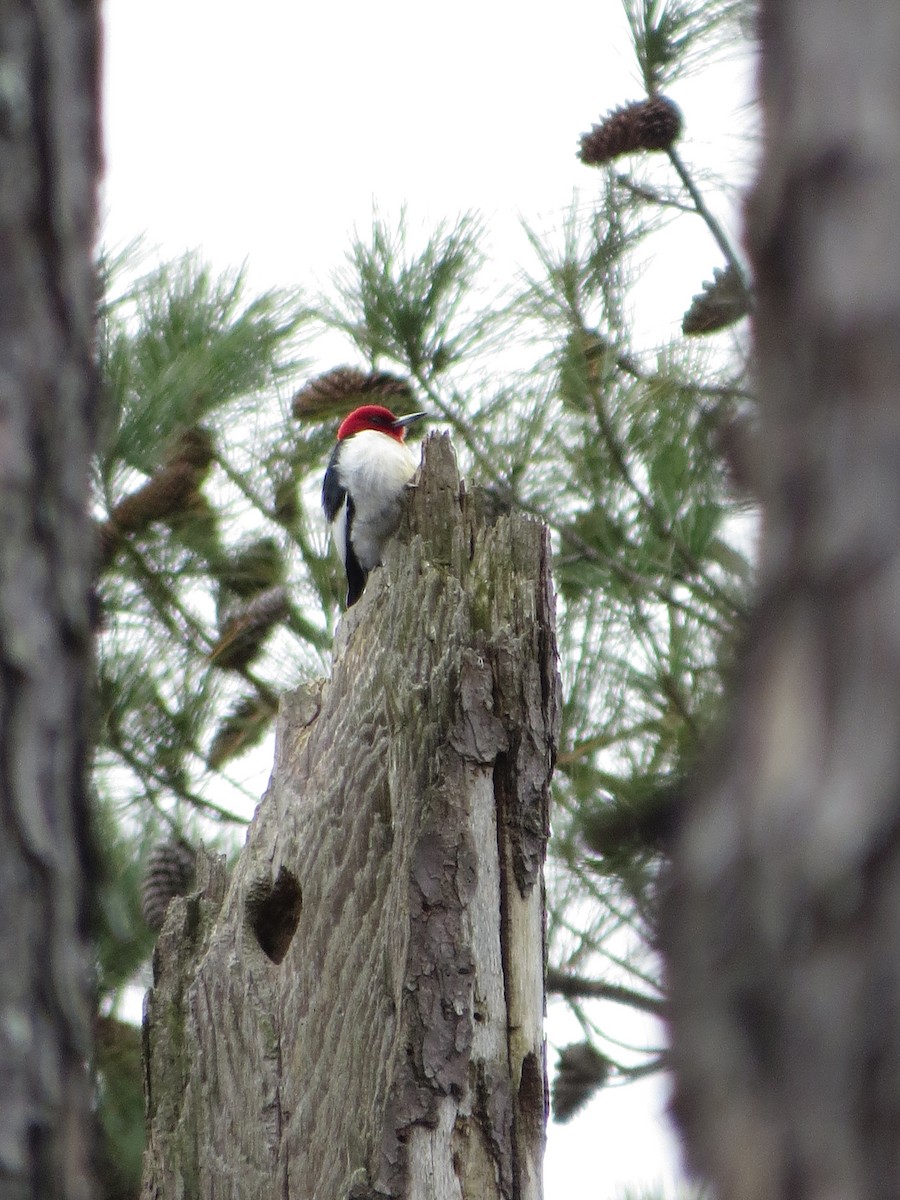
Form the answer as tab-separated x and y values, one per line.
49	161
783	917
359	1014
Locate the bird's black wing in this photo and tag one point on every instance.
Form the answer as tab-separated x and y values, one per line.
334	494
356	576
333	491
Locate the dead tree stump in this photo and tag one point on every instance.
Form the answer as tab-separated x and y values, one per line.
359	1012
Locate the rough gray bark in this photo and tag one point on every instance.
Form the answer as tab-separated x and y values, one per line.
361	1014
783	917
48	170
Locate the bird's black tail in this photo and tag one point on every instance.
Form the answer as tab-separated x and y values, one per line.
356	578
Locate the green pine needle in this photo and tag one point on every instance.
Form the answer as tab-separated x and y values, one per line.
184	346
407	305
670	37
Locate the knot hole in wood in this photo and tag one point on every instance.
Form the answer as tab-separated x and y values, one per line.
273	912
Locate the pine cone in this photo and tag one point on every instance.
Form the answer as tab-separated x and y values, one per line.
194	446
168	873
242	728
723	301
286	504
251	569
106	544
580	1072
344	388
245	628
168	491
653	124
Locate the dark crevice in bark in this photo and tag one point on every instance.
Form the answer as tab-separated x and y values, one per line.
273	910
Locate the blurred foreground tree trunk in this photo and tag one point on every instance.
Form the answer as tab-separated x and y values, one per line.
783	917
359	1012
49	160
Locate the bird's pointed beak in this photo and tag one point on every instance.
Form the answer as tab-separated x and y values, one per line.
409	419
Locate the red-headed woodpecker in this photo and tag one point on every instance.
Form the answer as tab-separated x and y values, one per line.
367	473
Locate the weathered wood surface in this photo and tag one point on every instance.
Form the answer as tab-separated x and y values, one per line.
362	1016
49	411
782	924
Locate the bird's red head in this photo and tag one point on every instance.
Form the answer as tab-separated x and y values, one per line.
382	420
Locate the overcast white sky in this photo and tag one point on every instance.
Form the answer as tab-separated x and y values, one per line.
263	133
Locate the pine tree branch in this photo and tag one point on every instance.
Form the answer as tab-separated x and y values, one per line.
602	741
641	585
711	592
579	987
712	223
651	195
146	769
614	920
165	601
659	1062
319	639
714	391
